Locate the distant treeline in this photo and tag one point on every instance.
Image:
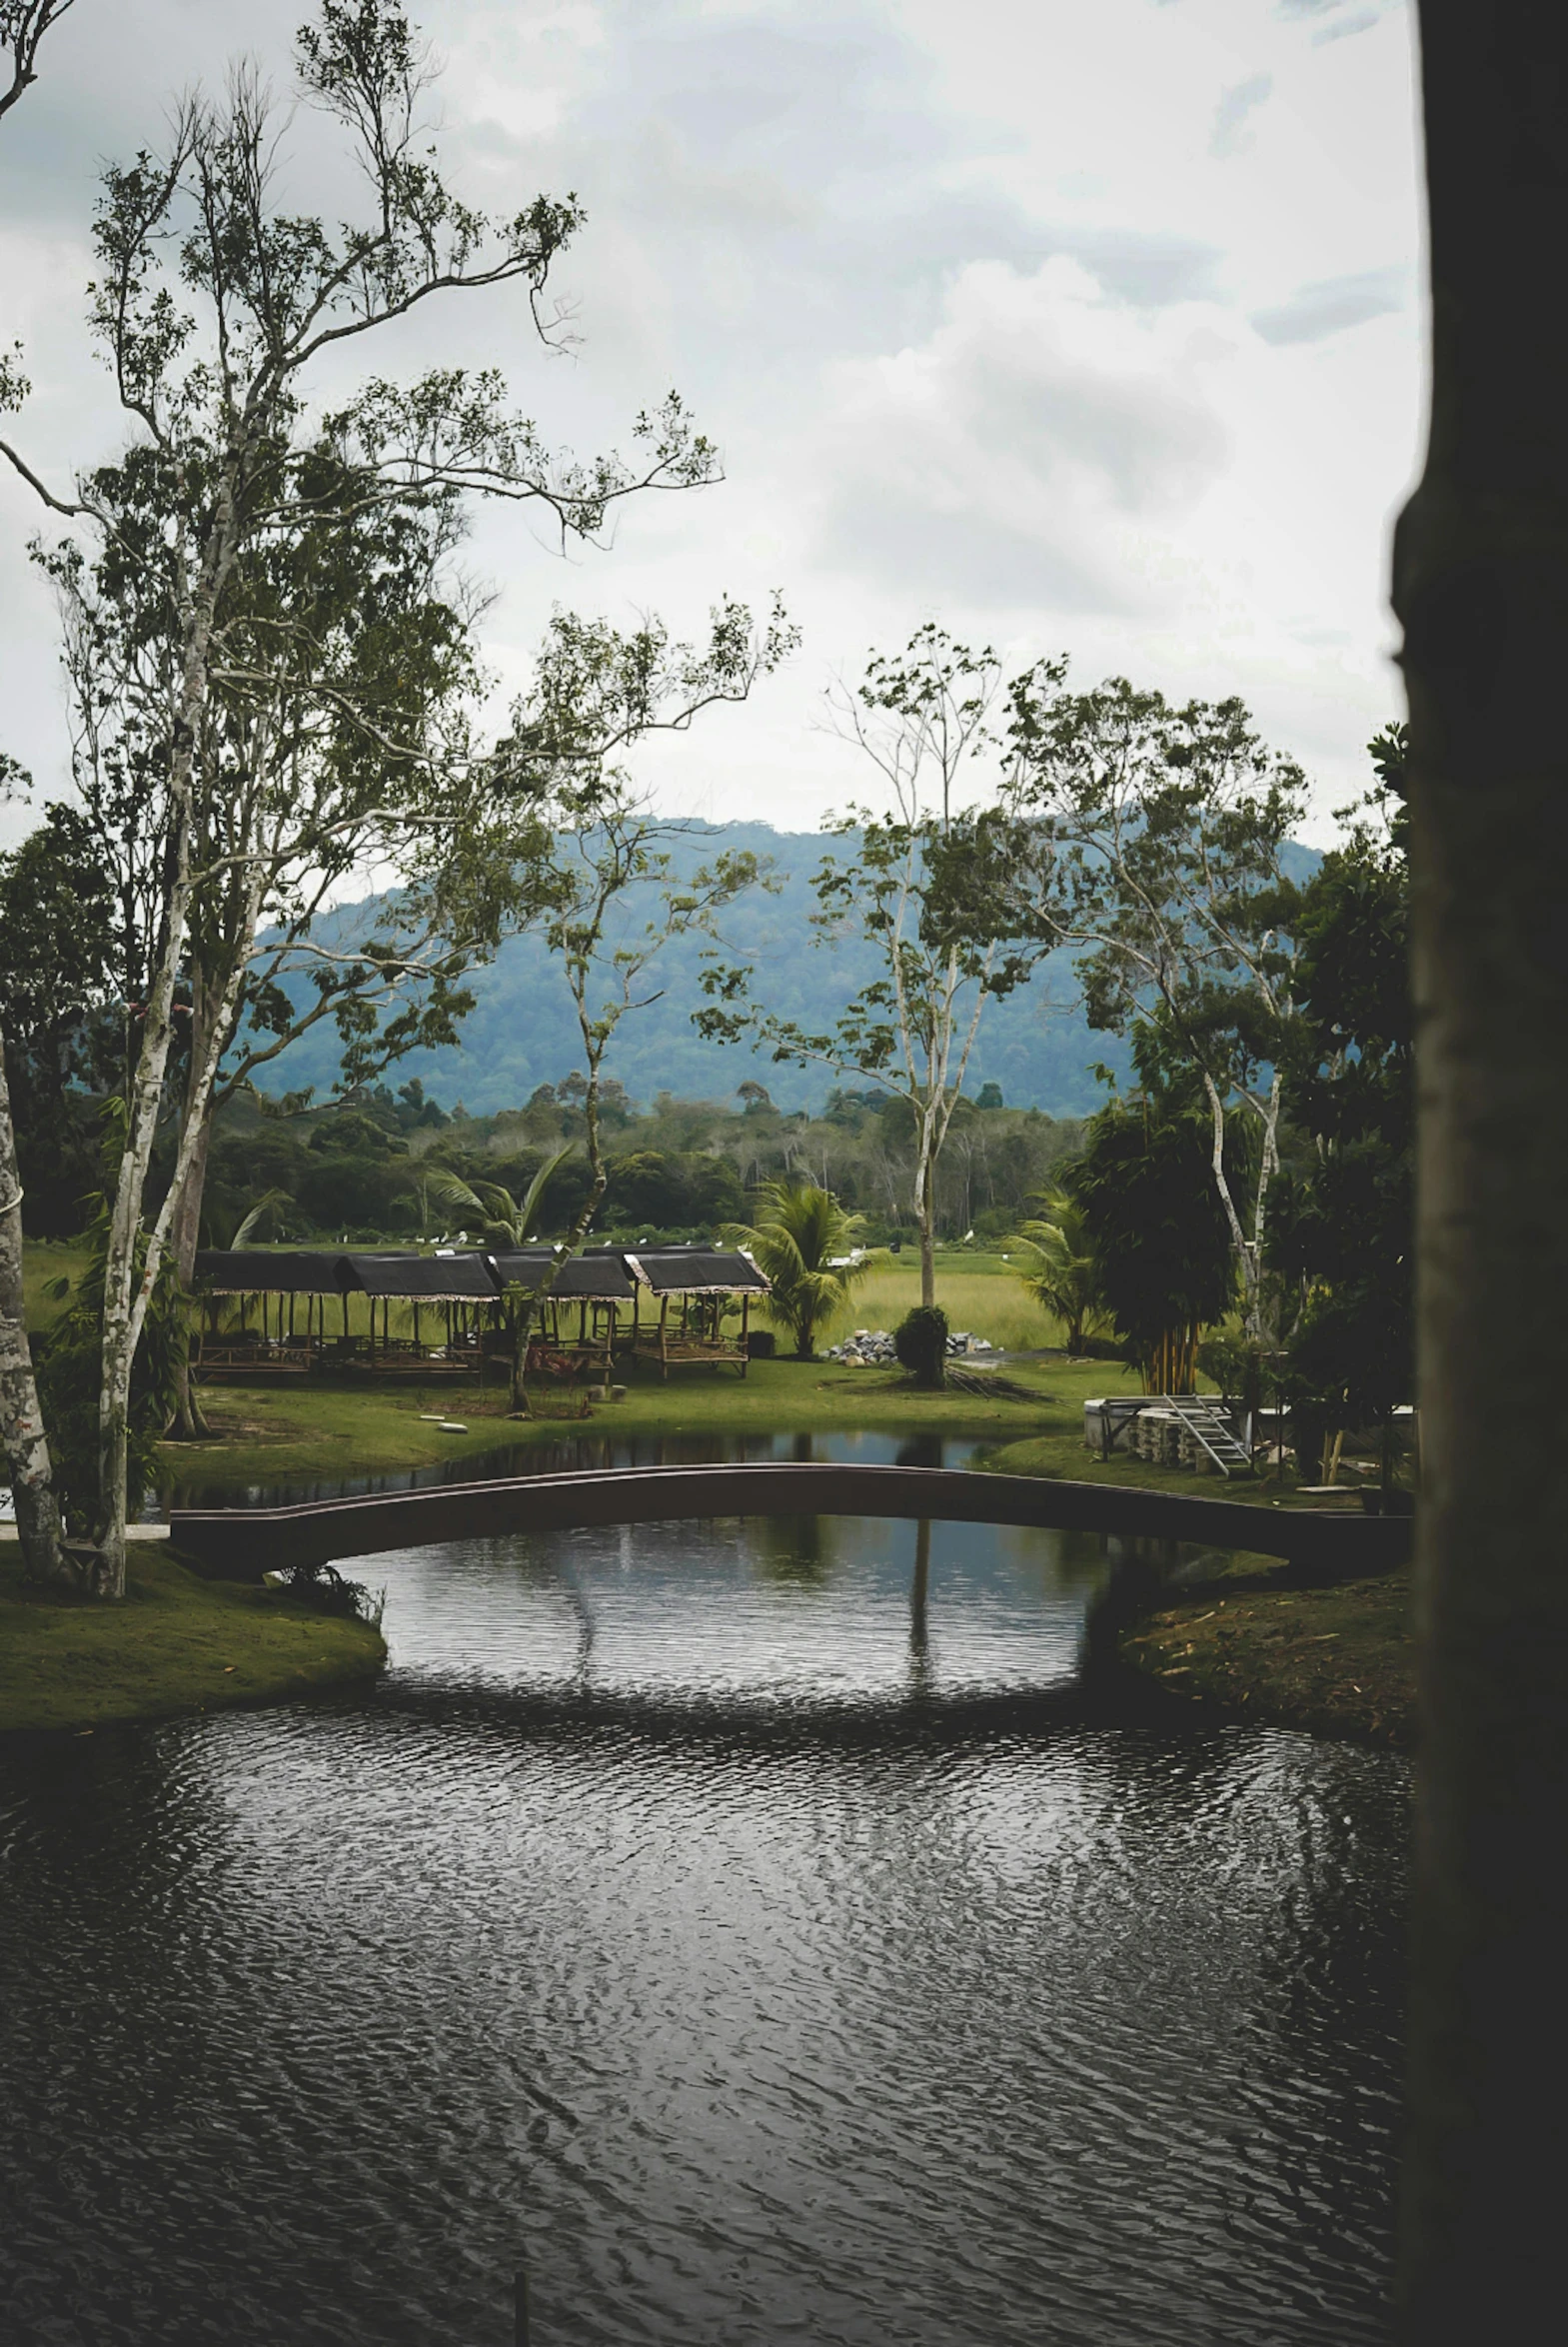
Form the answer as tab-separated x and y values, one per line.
355	1169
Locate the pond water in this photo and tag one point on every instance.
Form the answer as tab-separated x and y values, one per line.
761	1933
571	1454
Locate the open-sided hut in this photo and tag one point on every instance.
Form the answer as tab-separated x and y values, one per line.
693	1287
285	1286
580	1320
459	1287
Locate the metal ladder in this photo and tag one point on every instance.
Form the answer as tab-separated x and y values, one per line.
1205	1421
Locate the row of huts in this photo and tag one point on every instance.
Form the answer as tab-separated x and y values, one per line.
279	1311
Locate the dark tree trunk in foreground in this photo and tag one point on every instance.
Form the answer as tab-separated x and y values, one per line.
1481	585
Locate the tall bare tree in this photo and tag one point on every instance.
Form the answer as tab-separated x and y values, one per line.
955	900
23	1446
214	303
609	893
1481	585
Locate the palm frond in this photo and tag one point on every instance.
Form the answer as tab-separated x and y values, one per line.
268	1203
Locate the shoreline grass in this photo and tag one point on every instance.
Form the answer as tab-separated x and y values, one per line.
177	1643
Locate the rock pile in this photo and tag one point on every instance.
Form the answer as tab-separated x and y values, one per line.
873	1347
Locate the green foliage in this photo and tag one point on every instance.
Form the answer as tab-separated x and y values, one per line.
1159	1237
800	1229
1170	827
1059	1267
951	904
487	1211
57	980
325	1590
650	1189
921	1342
1232	1365
1344	1229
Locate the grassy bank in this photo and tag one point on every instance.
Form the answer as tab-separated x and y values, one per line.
177	1643
268	1433
1338	1661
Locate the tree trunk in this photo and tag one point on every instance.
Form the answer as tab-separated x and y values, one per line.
26	1447
521	1322
925	1213
185	1230
1247	1258
121	1316
1481	585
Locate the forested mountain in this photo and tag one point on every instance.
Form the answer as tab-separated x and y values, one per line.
522	1033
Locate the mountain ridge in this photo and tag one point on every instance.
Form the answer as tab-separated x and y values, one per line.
522	1033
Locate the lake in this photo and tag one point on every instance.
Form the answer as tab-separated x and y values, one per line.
761	1933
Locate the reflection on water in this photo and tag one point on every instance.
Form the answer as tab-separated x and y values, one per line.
763	1931
571	1454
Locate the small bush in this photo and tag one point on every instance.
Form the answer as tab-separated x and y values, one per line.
920	1341
323	1588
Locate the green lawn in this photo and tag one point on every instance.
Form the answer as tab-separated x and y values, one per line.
977	1292
177	1643
45	1260
264	1433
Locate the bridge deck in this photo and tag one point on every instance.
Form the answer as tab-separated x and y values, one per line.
240	1543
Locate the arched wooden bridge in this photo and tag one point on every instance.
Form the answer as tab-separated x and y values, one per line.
241	1543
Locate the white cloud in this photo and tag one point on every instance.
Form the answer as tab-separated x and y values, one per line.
1237	105
1315	311
983	328
1018	449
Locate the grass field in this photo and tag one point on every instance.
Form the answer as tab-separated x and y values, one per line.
980	1293
178	1643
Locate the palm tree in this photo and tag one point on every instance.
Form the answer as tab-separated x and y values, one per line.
1059	1270
496	1215
801	1241
505	1222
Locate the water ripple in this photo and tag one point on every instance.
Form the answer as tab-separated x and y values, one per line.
677	1919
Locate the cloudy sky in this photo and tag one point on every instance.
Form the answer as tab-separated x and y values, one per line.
1083	328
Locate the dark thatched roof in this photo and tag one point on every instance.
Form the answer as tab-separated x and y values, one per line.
697	1270
599	1274
228	1270
456	1279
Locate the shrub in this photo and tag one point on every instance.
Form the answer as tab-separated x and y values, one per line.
323	1588
920	1341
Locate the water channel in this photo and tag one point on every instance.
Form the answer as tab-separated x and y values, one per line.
763	1932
